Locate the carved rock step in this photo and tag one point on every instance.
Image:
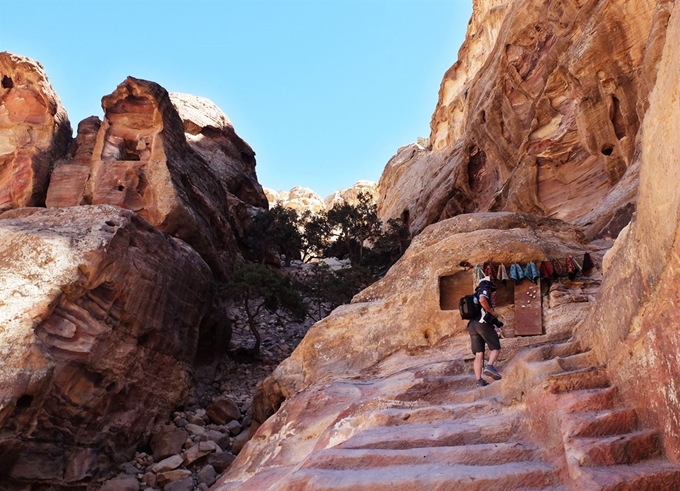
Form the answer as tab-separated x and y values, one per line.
481	454
439	434
600	423
654	475
428	414
589	399
438	389
615	450
589	378
553	366
432	477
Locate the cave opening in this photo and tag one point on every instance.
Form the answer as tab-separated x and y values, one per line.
7	83
607	150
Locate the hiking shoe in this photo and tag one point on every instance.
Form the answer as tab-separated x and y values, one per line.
490	371
482	383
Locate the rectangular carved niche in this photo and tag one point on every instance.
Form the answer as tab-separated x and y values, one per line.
453	287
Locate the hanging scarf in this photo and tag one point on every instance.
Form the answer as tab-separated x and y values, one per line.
571	268
587	264
479	274
502	273
516	272
531	272
547	270
557	266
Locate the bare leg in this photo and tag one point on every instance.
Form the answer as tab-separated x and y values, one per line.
493	356
479	364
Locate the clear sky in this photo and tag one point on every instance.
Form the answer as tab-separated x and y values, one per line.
325	91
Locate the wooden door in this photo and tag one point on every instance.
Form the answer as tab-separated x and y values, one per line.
528	312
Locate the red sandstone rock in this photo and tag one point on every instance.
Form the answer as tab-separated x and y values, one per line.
140	160
98	323
541	114
34	131
634	327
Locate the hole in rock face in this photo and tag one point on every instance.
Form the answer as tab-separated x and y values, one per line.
7	82
24	401
121	187
607	150
110	223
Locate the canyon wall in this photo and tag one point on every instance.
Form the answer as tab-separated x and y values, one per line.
634	327
98	326
34	132
139	158
541	114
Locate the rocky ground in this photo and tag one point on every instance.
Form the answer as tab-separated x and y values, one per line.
200	440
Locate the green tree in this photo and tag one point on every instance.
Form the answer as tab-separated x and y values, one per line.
353	226
256	288
327	289
276	231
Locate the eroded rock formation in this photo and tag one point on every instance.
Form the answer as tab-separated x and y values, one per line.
34	131
140	160
95	336
634	328
304	199
541	114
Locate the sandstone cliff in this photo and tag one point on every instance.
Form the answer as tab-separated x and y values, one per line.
95	337
540	114
556	118
139	158
34	131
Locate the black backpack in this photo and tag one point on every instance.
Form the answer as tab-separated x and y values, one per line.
469	307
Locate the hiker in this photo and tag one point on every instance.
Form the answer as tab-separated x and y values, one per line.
482	332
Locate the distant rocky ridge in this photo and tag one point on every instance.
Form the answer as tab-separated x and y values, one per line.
303	199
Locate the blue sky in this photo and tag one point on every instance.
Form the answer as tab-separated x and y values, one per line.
325	91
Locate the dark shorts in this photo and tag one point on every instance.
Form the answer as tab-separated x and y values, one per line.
483	333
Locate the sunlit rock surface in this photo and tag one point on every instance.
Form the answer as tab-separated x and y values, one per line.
540	114
140	160
99	316
635	327
34	131
303	199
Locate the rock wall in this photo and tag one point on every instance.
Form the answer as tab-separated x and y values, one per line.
402	311
98	325
140	160
541	114
304	199
634	325
34	131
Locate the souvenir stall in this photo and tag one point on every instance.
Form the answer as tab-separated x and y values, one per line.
520	288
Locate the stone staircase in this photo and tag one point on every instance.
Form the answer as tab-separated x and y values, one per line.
554	422
476	446
604	447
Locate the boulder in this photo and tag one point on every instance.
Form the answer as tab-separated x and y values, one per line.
540	114
185	484
122	483
141	161
207	475
34	131
172	462
167	441
222	410
99	317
